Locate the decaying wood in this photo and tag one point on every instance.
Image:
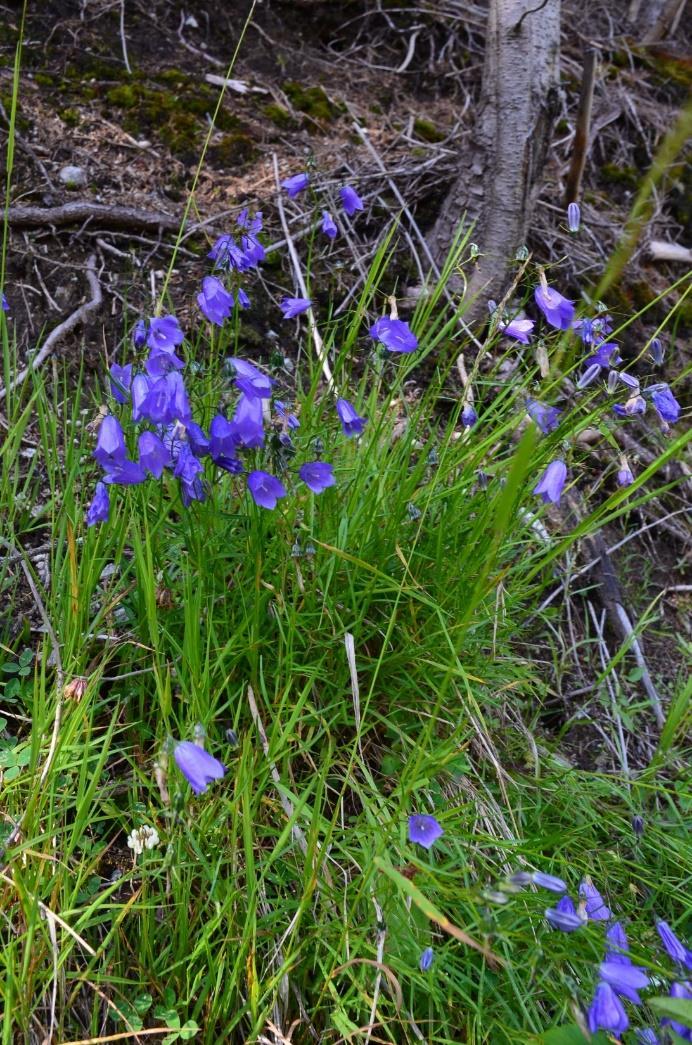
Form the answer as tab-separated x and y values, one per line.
79	211
498	182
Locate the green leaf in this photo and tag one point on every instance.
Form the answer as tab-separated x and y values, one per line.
143	1003
678	1009
571	1034
188	1030
168	1016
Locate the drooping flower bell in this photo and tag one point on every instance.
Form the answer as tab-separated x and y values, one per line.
197	766
546	417
266	490
551	483
549	881
426	959
99	509
558	310
424	830
394	334
295	306
606	1011
625	978
350	200
120	381
351	423
519	329
164	333
317	475
596	907
665	402
328	225
215	302
154	455
251	380
295	184
675	947
618	947
564	916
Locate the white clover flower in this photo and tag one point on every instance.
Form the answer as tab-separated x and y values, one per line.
142	838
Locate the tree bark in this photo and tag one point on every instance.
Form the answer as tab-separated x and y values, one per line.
499	180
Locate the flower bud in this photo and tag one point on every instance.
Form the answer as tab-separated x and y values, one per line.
573	217
589	375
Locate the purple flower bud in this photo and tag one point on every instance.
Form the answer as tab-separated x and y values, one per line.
521	878
242	298
215	302
551	483
350	200
675	948
424	830
426	959
4	303
613	381
629	380
197	766
394	334
665	403
294	306
558	310
638	825
520	329
295	184
626	979
563	916
469	417
265	489
164	333
546	417
657	351
549	881
606	1011
351	423
317	475
596	908
328	225
625	477
100	507
573	217
139	334
121	379
154	456
589	375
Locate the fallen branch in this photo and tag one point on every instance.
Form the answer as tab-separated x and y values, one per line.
79	211
67	325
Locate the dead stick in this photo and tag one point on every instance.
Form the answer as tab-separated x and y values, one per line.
581	132
78	211
78	316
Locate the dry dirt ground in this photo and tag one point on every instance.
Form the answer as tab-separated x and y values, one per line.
308	71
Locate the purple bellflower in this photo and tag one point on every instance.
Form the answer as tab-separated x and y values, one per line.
164	333
125	473
295	184
596	908
573	217
558	310
223	440
265	489
426	959
111	454
546	417
198	442
247	422
189	471
549	881
4	303
292	307
317	475
154	455
675	947
226	253
647	1036
680	990
606	1011
197	766
242	298
624	476
161	361
139	390
250	380
394	334
424	830
657	351
626	979
328	225
121	379
617	938
139	334
351	423
100	507
253	224
469	417
665	403
519	329
290	419
350	200
215	302
563	916
552	482
606	354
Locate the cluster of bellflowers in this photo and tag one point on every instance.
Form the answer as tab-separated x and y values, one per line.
600	363
618	979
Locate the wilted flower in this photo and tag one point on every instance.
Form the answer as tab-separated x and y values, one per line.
520	329
635	405
394	334
551	483
606	1011
100	507
121	379
265	489
164	333
626	979
197	765
215	301
546	417
76	688
595	905
317	475
426	959
564	916
350	200
295	184
250	380
558	310
142	838
328	225
573	217
294	306
154	456
549	881
351	423
675	948
665	402
424	830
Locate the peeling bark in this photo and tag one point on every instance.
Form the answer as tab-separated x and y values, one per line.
499	179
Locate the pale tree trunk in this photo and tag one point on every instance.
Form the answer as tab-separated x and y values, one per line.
500	177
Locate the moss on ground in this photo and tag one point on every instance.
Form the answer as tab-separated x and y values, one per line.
312	101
